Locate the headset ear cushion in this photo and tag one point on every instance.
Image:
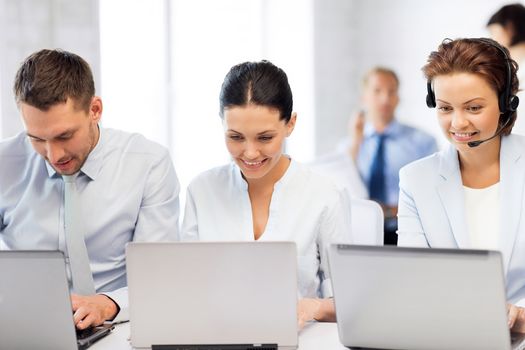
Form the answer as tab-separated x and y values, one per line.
431	99
431	102
514	102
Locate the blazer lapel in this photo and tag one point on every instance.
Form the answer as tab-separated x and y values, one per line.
452	196
512	180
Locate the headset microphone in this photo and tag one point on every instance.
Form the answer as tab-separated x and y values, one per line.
472	144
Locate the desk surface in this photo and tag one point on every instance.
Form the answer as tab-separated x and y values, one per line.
313	336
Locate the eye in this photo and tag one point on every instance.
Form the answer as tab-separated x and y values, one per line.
444	109
474	108
64	137
265	138
235	137
34	139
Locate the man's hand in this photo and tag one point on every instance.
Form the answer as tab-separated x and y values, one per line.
516	316
92	310
356	127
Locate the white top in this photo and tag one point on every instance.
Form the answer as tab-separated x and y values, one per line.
519	125
482	210
305	208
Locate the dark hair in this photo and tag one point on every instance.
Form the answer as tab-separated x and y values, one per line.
512	16
48	77
483	57
260	83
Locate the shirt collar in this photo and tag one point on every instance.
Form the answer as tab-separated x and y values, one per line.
241	183
392	130
93	163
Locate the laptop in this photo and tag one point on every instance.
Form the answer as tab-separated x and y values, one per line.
220	295
35	306
419	298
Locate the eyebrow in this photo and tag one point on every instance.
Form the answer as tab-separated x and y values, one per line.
260	133
65	133
466	102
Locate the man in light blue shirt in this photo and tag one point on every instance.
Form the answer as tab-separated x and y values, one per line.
127	187
381	146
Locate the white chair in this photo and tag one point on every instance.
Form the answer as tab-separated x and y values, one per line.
367	222
340	169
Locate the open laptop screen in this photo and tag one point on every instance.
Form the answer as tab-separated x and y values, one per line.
35	306
419	298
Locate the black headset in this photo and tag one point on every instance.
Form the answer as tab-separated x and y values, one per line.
507	102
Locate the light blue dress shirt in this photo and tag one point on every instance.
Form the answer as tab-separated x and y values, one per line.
403	144
128	191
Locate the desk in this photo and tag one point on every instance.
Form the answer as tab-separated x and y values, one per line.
314	336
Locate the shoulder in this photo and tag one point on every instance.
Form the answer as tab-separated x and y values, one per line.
416	134
133	144
514	140
422	169
319	185
17	146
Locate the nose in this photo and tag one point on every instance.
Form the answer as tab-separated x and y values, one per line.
459	121
251	151
54	152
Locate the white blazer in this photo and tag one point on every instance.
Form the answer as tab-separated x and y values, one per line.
432	208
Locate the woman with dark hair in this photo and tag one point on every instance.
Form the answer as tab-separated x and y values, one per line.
471	195
507	27
264	194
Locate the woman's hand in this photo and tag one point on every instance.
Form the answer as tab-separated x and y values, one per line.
516	316
310	309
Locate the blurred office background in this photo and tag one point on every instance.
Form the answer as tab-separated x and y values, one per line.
159	64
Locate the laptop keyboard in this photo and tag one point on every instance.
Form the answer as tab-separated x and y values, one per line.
217	347
85	333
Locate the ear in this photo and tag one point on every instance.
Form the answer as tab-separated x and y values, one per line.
95	109
291	124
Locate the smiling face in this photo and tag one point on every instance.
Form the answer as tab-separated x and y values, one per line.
255	138
467	108
64	134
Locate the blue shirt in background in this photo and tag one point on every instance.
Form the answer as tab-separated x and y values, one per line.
403	144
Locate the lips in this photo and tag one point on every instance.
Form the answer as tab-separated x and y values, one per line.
253	165
463	136
63	165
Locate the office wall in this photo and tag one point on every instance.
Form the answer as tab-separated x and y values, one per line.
30	25
348	37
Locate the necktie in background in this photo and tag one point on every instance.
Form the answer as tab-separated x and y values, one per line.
81	275
376	184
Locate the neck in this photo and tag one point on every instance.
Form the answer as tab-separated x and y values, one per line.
480	165
270	179
380	124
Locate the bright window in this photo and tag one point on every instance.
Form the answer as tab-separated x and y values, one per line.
161	76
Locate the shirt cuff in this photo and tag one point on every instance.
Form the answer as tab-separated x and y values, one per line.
521	303
120	297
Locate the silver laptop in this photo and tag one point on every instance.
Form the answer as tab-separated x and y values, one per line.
419	298
35	306
228	295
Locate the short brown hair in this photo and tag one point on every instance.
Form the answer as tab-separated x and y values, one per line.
483	57
379	70
49	77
